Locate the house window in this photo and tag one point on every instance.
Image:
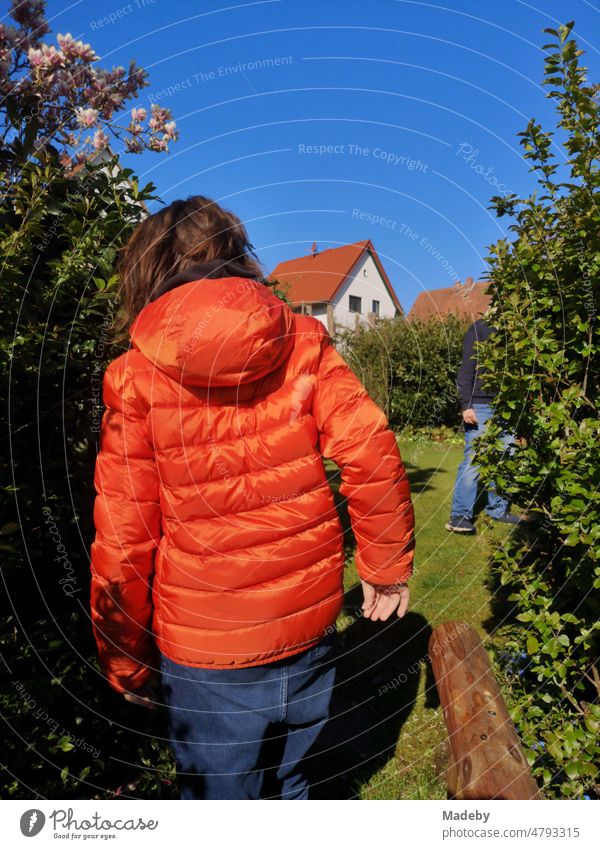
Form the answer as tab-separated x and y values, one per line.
364	272
375	307
354	303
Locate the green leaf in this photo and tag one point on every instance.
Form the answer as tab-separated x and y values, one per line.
572	769
64	744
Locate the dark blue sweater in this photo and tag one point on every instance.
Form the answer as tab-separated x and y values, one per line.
469	378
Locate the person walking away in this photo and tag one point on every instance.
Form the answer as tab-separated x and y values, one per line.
218	558
477	407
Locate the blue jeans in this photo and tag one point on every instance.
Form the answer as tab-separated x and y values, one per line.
465	488
244	733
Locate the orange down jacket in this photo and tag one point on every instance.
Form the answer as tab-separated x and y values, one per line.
217	538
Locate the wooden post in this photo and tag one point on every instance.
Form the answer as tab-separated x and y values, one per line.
330	322
486	759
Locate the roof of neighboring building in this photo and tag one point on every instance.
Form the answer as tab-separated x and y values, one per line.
317	277
468	301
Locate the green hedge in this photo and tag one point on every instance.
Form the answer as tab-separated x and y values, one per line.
409	368
546	368
66	733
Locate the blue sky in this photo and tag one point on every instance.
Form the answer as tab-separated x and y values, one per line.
391	120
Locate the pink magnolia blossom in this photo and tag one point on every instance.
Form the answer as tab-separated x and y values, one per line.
160	113
36	58
158	144
29	14
46	57
133	145
100	140
75	49
86	117
8	36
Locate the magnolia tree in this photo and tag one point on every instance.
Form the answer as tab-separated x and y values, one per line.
56	96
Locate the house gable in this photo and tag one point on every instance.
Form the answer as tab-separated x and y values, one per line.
366	283
318	277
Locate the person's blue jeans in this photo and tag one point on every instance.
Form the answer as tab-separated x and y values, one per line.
467	478
245	733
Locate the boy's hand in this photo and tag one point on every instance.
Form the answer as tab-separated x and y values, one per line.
469	416
380	602
146	696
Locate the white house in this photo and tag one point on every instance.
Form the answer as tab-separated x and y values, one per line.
340	286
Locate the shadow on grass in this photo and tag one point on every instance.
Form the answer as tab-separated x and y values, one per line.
481	501
334	480
503	612
379	667
420	478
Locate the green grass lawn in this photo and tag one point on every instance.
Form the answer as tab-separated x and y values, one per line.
386	739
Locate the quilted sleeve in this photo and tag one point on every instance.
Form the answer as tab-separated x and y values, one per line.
127	518
355	434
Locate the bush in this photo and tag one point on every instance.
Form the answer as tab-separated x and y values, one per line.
62	218
68	733
409	368
546	369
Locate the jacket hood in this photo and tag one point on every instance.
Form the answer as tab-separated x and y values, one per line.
215	332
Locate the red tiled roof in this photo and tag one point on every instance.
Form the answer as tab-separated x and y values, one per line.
468	301
317	277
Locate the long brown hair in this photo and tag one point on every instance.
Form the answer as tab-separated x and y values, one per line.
184	233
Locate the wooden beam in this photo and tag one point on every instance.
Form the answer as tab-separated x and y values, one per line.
330	321
486	758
